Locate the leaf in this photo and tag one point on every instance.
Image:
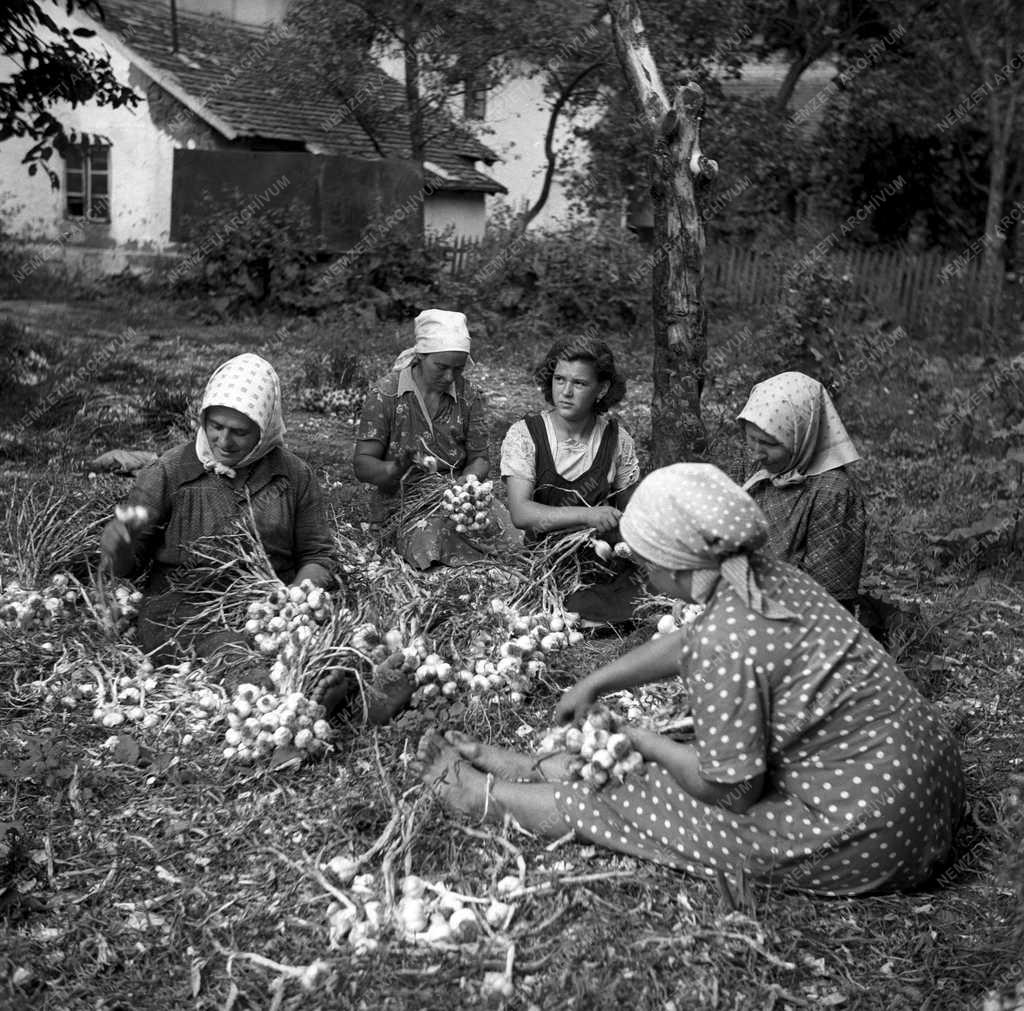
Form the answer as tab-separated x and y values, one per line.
286	757
126	750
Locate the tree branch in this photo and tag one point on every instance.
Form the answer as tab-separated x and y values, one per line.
549	145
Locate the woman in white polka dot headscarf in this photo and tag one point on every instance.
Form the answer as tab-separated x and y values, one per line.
800	451
236	467
815	764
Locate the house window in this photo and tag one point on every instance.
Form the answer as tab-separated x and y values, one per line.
474	100
87	182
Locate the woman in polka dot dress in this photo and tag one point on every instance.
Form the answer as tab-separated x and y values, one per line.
816	765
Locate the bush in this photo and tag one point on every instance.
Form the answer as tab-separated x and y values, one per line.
266	261
548	282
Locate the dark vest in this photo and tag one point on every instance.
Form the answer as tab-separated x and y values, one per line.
589	489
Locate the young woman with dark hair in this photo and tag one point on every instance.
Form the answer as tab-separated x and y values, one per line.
572	465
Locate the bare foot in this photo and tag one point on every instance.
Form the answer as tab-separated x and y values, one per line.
459	785
505	763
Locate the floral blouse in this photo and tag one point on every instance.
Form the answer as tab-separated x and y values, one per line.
395	415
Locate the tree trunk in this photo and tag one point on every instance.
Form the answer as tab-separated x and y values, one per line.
414	107
789	82
1001	111
680	319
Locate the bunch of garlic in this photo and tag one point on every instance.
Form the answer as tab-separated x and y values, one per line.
287	619
507	670
606	552
598	751
467	504
426	912
36	609
259	722
682	615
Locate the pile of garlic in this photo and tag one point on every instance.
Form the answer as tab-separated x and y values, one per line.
282	624
427	912
332	400
37	609
467	504
598	751
143	698
259	722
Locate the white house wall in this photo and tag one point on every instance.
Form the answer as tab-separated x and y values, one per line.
514	128
517	120
140	182
465	213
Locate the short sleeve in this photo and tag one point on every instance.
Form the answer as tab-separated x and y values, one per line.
627	466
518	453
374	418
730	723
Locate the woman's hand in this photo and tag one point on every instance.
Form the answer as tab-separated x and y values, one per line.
643	740
603	518
391	478
574	705
116	546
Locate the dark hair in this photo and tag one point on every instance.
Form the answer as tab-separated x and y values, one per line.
583	349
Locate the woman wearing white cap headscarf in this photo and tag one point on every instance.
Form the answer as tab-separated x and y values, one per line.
801	451
205	487
815	764
424	407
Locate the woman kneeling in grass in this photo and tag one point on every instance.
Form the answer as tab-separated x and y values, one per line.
570	466
816	764
815	510
426	407
236	469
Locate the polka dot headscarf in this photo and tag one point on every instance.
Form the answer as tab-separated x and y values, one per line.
248	384
692	517
796	411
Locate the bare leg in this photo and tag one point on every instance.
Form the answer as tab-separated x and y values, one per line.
465	789
506	763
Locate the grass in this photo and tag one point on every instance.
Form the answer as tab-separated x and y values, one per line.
161	877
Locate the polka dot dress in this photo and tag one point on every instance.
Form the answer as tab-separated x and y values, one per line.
863	786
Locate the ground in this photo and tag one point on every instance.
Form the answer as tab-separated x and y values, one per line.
157	875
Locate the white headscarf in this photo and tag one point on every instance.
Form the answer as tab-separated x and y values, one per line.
436	330
692	517
247	384
796	411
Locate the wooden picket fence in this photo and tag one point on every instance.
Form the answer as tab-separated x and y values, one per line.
907	288
900	285
457	252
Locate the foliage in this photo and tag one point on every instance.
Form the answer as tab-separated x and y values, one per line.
448	47
53	66
265	260
580	277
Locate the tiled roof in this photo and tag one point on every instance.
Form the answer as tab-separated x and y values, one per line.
224	71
